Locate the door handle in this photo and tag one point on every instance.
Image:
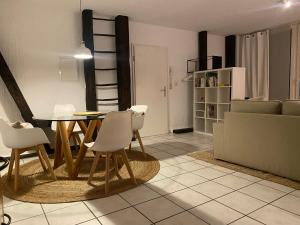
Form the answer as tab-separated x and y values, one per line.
164	90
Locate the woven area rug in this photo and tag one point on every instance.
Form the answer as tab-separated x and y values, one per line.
208	156
38	187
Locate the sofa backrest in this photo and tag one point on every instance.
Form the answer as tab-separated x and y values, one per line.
291	107
262	107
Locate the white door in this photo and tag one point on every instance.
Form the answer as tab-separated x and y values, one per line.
151	78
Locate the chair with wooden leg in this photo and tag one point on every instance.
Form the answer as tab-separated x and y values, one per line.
138	122
22	140
114	135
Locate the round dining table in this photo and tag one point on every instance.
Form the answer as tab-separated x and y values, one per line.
62	152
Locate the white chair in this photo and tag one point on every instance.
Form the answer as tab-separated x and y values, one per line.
138	122
67	110
21	140
114	135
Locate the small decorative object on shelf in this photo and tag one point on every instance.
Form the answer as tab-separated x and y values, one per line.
212	79
202	82
210	111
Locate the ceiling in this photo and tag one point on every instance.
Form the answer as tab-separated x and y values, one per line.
217	16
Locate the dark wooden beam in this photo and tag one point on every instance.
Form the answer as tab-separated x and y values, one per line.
123	67
15	91
202	50
230	51
89	64
216	62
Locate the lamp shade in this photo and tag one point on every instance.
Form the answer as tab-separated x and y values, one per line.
83	52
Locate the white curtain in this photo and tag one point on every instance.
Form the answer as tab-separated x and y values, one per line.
295	63
253	54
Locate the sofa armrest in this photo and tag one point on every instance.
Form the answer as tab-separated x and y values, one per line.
218	142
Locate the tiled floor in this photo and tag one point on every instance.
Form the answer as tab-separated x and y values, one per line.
185	192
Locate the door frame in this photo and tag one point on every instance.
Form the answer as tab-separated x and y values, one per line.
133	84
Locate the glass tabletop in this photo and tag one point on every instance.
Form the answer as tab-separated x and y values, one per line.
53	117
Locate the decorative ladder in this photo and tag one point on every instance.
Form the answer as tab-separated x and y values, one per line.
95	100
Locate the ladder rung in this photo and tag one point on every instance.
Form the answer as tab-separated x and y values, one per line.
108	104
105	35
106	85
105	69
95	18
107	99
105	52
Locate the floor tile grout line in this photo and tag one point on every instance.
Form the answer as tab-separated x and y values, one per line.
45	214
91	212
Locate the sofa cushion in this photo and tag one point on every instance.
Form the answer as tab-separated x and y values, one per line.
291	107
263	107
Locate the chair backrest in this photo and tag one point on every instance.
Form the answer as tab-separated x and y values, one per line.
115	132
8	133
62	110
139	108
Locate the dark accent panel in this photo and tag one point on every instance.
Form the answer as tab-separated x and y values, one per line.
15	91
103	19
184	130
89	64
216	62
123	67
202	50
230	42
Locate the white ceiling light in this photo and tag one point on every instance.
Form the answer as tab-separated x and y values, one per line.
287	3
83	52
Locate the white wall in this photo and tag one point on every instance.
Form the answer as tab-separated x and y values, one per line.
216	46
182	45
34	34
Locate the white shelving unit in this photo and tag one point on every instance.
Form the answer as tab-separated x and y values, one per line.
213	92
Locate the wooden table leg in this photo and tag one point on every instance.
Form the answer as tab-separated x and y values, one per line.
58	151
66	146
83	148
82	126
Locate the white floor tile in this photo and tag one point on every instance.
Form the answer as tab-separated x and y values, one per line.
176	151
161	155
275	216
296	193
246	221
9	202
184	218
203	163
171	171
187	198
69	216
276	186
37	220
212	189
175	160
189	179
262	192
52	207
233	182
246	176
289	203
165	186
223	169
129	216
139	194
21	212
158	209
157	178
241	202
190	166
107	205
209	173
91	222
216	213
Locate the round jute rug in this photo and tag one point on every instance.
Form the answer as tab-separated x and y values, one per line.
36	186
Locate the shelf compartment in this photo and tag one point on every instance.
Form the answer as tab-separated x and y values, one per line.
212	111
199	106
211	95
199	113
199	95
224	78
199	124
224	95
209	126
